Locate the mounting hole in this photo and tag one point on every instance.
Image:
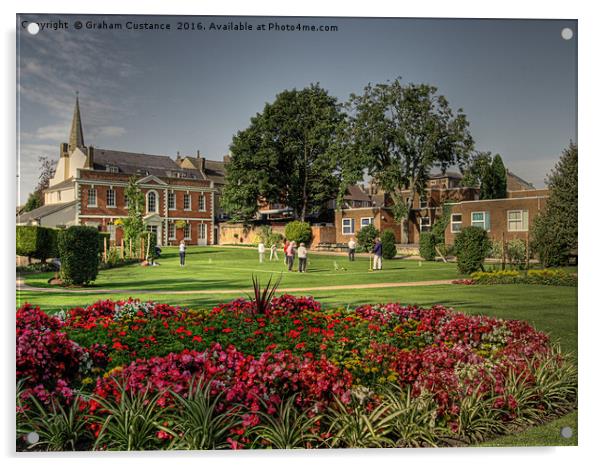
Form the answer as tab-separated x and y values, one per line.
32	438
567	33
566	432
33	28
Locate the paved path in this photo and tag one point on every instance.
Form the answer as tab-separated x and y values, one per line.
23	287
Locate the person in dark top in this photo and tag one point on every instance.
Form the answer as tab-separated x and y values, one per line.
378	255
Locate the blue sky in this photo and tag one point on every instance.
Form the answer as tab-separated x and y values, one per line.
168	91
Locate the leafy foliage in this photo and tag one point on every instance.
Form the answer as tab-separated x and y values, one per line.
472	246
555	229
298	231
133	224
400	133
388	240
554	277
78	251
34	200
286	155
488	174
36	241
366	238
427	246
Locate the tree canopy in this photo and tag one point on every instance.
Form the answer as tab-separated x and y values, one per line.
133	224
488	174
286	155
555	229
399	133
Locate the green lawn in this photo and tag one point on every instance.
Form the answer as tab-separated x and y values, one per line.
548	308
231	268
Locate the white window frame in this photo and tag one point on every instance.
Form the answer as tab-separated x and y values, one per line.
171	228
522	220
423	202
421	225
370	221
351	226
114	194
95	196
476	223
454	223
202	203
202	227
188	197
148	211
171	196
187	230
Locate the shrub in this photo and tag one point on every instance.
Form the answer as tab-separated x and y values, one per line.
269	237
427	246
298	231
472	245
366	238
388	240
78	250
556	277
37	242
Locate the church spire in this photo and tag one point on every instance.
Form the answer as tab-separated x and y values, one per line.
76	136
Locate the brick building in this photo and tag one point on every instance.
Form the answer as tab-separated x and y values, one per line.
89	186
512	216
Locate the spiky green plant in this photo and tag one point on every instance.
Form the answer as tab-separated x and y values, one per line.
263	296
477	419
414	418
23	427
288	428
60	428
130	423
196	423
352	426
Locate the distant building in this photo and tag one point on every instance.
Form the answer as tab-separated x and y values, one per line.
89	185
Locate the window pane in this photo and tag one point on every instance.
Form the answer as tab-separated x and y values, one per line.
477	217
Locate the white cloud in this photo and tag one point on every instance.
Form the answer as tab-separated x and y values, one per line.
111	131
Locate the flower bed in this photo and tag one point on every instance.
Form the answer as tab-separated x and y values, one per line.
330	363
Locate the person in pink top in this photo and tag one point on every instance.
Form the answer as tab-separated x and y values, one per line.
290	254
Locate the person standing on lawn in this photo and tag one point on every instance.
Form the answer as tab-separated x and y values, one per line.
285	248
261	250
351	245
274	252
290	254
182	253
378	255
302	254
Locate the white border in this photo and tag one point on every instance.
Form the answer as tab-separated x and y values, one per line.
590	102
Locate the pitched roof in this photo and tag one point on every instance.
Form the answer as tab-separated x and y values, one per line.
131	162
43	211
447	174
356	193
215	170
518	180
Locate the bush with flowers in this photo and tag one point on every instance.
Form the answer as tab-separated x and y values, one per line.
330	364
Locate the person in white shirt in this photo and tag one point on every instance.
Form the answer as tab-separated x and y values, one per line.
261	249
351	245
182	253
302	254
274	252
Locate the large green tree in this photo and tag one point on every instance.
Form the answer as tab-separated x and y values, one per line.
486	173
286	155
399	133
555	229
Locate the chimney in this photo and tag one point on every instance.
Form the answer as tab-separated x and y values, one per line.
178	153
202	163
90	158
198	154
227	158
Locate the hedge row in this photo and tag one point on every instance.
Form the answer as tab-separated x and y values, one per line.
556	277
36	242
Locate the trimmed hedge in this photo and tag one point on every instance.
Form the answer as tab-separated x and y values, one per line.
388	240
366	238
472	246
555	277
78	250
36	242
427	246
297	231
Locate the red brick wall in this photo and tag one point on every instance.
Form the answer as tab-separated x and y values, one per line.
498	214
383	220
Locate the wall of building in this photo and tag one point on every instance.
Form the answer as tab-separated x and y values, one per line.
498	215
382	219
